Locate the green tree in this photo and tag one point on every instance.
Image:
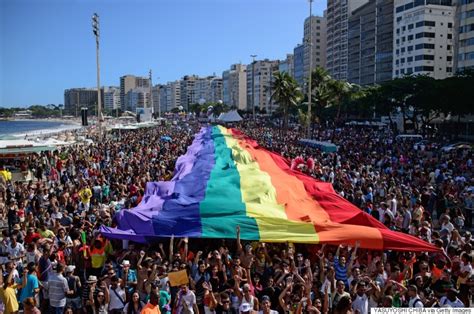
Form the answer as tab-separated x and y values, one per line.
286	93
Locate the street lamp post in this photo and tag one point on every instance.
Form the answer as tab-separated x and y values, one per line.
253	85
96	31
310	65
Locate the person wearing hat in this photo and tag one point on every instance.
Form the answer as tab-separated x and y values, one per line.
91	280
451	299
129	277
73	299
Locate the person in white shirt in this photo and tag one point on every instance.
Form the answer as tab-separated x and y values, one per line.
451	299
117	296
266	306
186	301
415	300
361	301
16	251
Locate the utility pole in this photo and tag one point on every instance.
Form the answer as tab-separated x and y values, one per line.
253	86
96	31
151	93
310	65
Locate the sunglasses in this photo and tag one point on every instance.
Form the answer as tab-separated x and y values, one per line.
225	302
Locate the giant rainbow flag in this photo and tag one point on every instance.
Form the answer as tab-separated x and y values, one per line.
225	179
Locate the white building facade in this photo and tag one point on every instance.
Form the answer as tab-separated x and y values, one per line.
234	86
423	38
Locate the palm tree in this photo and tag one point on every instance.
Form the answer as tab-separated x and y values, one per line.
286	93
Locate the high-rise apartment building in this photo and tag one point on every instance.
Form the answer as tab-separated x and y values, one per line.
384	40
170	96
259	78
361	45
423	38
138	97
298	64
187	91
337	14
318	34
287	64
111	98
155	94
129	82
370	43
464	24
234	86
215	92
76	98
207	89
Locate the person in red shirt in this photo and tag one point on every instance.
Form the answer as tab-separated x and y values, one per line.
31	236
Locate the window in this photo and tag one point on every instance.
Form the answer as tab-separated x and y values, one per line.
449	69
419	24
424	57
410	37
398	31
409	70
404	28
430	23
450	36
399	19
397	51
402	71
402	50
450	25
402	60
410	59
400	9
410	26
398	41
449	47
396	72
449	58
410	48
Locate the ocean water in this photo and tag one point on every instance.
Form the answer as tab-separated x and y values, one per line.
19	128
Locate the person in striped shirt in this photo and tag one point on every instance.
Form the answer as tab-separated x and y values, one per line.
341	265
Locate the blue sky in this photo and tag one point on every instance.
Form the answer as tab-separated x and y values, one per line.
47	46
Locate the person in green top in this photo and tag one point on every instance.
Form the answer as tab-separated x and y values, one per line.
395	290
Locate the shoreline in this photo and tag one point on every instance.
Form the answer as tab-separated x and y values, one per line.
67	126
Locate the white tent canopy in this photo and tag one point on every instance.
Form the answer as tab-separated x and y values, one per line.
231	116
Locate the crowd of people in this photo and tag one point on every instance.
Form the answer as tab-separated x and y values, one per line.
55	260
